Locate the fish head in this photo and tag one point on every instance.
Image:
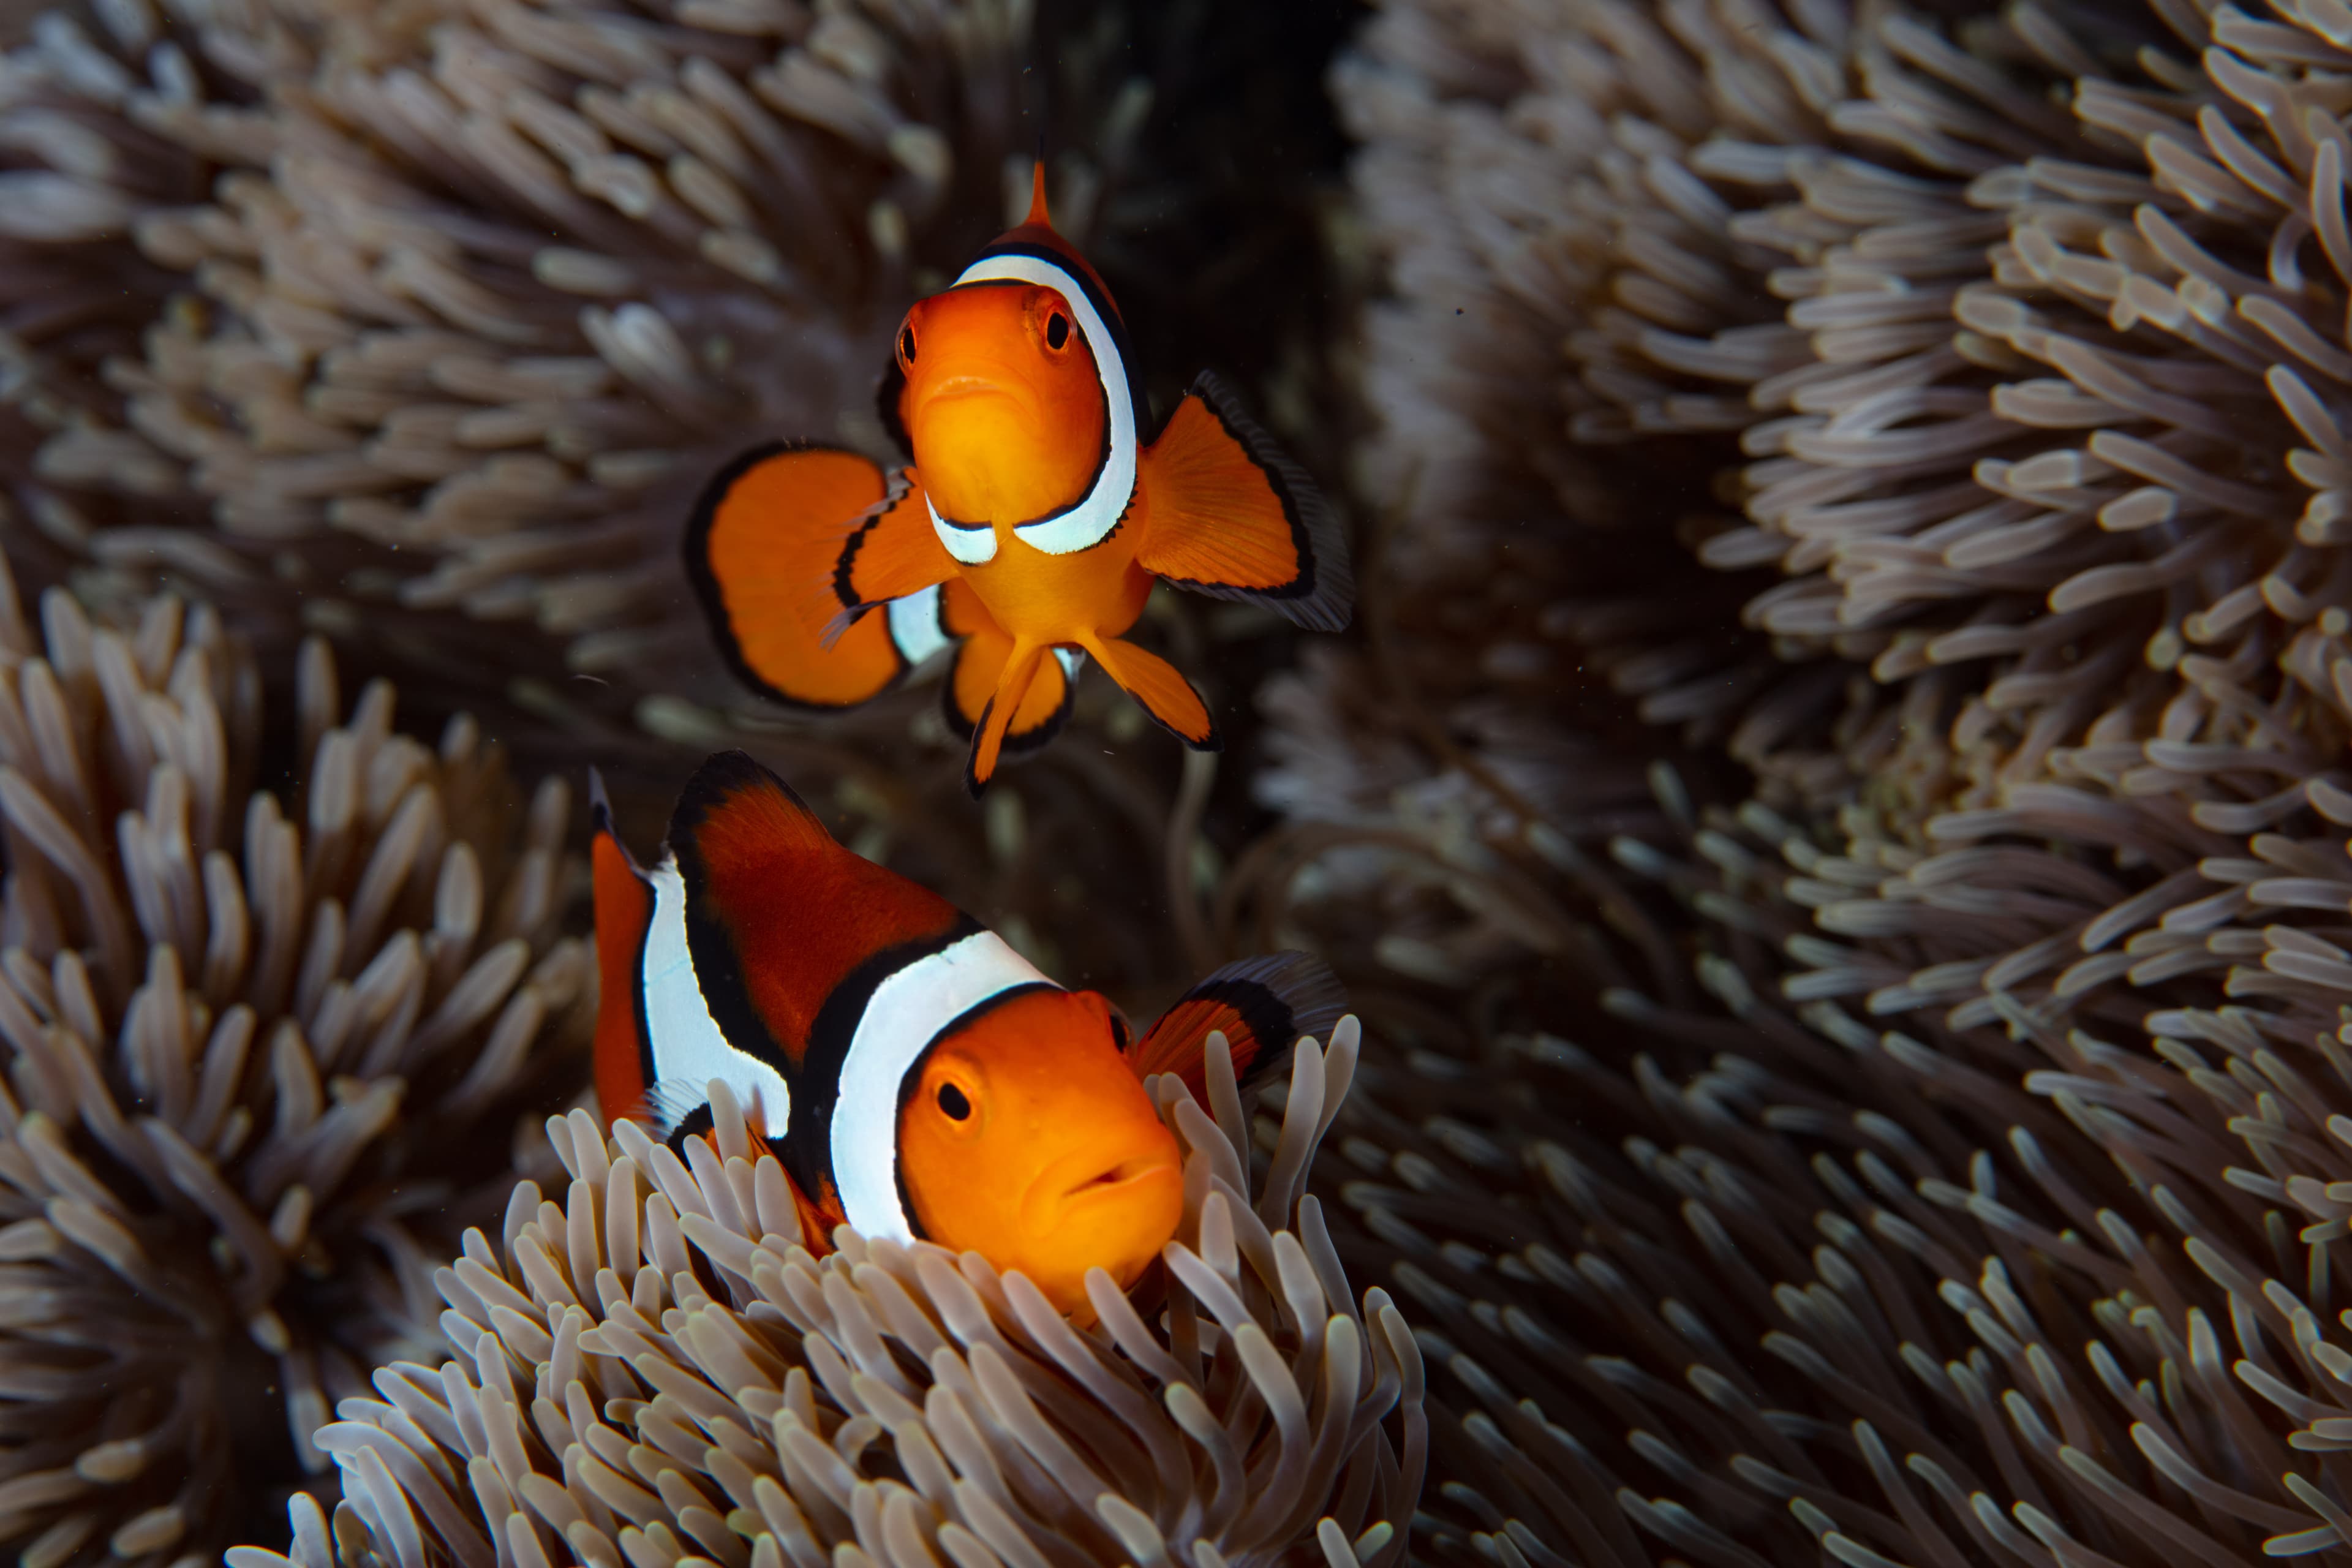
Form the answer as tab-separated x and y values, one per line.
1027	1138
1003	406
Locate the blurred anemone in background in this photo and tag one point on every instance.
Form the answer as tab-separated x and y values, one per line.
1988	361
266	1057
1965	1199
1790	1285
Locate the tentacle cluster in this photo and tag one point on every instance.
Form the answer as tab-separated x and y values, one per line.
263	1056
656	1369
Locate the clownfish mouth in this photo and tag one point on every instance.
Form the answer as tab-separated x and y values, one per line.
1088	1181
968	388
1126	1173
962	386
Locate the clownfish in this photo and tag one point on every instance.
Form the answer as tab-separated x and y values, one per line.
916	1078
1028	530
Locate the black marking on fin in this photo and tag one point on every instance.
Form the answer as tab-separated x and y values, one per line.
692	1124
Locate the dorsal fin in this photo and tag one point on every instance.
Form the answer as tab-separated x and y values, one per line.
777	914
1038	217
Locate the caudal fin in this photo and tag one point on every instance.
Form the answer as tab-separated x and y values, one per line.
772	549
1262	1007
624	1061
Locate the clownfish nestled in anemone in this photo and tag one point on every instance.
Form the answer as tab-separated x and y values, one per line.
1028	530
916	1078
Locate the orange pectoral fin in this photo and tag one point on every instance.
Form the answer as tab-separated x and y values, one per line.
762	551
1166	695
892	551
815	1223
1262	1006
1233	518
819	1217
624	909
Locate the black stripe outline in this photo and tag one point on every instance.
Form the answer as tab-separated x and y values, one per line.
914	1075
698	1120
808	1136
710	949
895	489
1101	301
1108	316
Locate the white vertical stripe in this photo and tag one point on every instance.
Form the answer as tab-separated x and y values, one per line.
1098	511
915	625
689	1049
906	1013
972	546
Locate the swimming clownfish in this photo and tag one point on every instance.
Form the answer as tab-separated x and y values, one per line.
916	1078
1029	528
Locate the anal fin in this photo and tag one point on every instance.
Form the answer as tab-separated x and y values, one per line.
972	684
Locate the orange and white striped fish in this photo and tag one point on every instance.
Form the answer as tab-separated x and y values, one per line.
916	1078
1027	532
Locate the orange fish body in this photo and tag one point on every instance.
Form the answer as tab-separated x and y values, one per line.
1029	530
916	1078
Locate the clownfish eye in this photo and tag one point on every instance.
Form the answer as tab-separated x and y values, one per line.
953	1101
1057	331
906	342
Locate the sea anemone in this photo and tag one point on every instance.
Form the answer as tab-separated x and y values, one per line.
656	1369
1940	1295
2007	352
266	1057
1445	875
111	116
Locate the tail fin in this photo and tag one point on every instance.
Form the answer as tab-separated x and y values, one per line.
769	549
625	901
1262	1006
777	914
